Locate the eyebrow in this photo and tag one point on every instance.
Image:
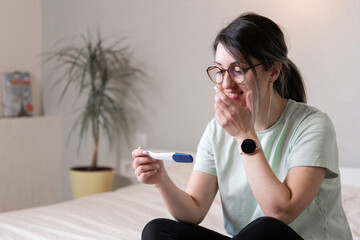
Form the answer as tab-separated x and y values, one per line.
231	64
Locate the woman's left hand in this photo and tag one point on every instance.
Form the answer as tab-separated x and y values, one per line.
234	116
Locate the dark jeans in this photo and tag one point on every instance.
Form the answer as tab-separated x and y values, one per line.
264	228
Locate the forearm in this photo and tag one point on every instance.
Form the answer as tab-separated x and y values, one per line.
179	203
273	196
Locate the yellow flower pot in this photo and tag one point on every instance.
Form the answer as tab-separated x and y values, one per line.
85	182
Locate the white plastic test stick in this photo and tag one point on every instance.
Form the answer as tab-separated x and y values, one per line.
172	156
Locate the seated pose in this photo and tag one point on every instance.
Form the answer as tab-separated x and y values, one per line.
273	158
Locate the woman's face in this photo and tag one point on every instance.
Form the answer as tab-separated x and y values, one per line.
238	91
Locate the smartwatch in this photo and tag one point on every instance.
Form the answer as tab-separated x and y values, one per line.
248	146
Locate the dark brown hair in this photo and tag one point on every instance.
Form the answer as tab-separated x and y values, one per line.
252	35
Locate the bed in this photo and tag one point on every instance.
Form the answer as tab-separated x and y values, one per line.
122	214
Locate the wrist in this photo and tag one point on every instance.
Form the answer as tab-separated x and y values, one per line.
248	144
163	182
249	135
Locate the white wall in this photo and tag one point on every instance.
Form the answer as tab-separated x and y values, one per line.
20	42
30	162
171	41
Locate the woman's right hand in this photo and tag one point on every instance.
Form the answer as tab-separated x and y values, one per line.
147	169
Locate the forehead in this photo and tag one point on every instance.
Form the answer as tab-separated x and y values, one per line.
224	57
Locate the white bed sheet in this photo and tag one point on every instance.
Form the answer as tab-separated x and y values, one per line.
122	214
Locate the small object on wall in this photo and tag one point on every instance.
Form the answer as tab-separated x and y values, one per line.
17	96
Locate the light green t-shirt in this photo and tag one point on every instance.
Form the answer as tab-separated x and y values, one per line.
303	136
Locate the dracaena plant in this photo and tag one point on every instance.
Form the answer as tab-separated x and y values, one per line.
105	75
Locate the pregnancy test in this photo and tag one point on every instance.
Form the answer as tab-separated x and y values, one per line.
171	156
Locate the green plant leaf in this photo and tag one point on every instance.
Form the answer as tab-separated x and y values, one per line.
106	76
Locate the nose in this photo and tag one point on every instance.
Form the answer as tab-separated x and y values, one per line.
227	82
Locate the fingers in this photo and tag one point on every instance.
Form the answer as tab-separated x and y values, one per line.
144	166
220	95
220	103
220	106
146	176
219	113
146	169
140	157
248	101
138	152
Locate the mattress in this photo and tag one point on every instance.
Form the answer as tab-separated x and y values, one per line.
123	213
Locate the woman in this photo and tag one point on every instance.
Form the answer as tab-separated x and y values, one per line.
273	158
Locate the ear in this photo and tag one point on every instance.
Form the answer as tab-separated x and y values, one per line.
275	71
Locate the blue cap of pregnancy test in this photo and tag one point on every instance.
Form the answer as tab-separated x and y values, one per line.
182	157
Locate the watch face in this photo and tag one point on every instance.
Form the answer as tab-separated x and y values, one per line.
248	146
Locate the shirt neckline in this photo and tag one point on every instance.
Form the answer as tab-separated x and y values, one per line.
283	114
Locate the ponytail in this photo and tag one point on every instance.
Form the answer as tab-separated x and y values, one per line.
290	83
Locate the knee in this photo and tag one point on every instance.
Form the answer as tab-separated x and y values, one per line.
269	221
153	229
277	228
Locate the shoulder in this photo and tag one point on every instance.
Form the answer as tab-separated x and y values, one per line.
306	116
313	142
299	109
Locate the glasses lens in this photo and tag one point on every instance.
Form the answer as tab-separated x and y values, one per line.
215	74
237	74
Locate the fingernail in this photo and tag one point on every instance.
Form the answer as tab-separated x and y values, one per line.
155	171
145	152
157	166
215	87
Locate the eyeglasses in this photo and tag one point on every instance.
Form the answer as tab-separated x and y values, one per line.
236	73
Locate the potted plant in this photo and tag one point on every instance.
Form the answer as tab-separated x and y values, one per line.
108	80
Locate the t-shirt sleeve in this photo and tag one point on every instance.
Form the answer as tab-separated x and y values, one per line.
314	144
204	161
